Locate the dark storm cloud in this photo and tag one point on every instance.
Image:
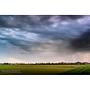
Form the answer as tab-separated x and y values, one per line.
46	17
82	43
26	32
22	20
72	16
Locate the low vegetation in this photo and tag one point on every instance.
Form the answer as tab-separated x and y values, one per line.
77	68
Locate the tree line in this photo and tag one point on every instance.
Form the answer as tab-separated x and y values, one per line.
49	63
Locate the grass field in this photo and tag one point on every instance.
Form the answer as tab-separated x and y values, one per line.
45	69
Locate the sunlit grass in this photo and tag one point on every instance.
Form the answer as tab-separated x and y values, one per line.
44	69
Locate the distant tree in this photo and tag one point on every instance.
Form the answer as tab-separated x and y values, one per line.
6	63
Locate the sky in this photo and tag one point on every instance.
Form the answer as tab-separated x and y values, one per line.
44	38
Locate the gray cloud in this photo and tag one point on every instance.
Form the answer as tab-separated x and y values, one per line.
40	32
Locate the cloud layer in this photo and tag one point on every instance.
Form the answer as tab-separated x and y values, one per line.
60	34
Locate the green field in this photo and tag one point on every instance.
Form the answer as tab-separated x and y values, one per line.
45	69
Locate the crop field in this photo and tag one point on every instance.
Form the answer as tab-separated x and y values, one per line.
45	69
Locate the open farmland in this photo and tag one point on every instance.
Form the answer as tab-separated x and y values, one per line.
45	69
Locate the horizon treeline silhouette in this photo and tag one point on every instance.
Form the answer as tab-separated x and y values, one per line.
49	63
